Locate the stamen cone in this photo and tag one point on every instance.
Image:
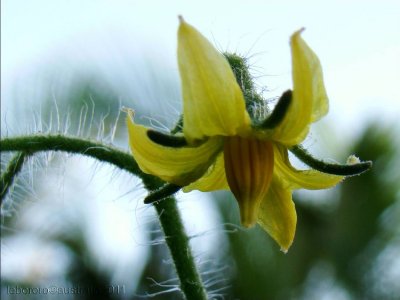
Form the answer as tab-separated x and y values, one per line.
249	165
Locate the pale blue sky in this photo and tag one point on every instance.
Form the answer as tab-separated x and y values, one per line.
358	43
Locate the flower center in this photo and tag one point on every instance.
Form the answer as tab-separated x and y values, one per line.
249	165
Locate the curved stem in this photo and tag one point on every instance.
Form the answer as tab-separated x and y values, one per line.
167	210
102	152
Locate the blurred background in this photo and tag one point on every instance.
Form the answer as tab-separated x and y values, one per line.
69	221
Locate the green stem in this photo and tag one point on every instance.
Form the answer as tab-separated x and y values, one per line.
165	191
178	243
7	178
102	152
167	210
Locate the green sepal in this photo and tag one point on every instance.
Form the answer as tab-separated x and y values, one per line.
279	112
335	169
167	140
178	126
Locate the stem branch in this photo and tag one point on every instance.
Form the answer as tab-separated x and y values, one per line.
7	178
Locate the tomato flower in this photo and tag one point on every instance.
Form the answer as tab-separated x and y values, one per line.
223	146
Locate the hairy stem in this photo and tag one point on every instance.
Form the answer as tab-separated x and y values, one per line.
178	243
102	152
165	191
13	168
168	213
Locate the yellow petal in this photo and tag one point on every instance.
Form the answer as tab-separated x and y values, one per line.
277	215
180	166
304	179
249	164
214	179
310	101
213	103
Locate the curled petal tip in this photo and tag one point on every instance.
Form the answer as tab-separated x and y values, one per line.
298	32
129	111
301	30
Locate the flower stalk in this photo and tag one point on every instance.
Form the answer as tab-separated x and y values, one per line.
168	213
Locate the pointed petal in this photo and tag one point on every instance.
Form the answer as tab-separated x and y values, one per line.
213	103
277	215
310	101
214	179
180	166
304	179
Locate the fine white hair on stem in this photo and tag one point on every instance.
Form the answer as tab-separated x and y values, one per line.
261	36
91	117
57	114
82	118
213	273
163	287
5	128
22	189
169	283
156	294
219	230
92	125
157	124
58	121
115	123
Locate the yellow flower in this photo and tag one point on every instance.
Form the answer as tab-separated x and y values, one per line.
225	150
